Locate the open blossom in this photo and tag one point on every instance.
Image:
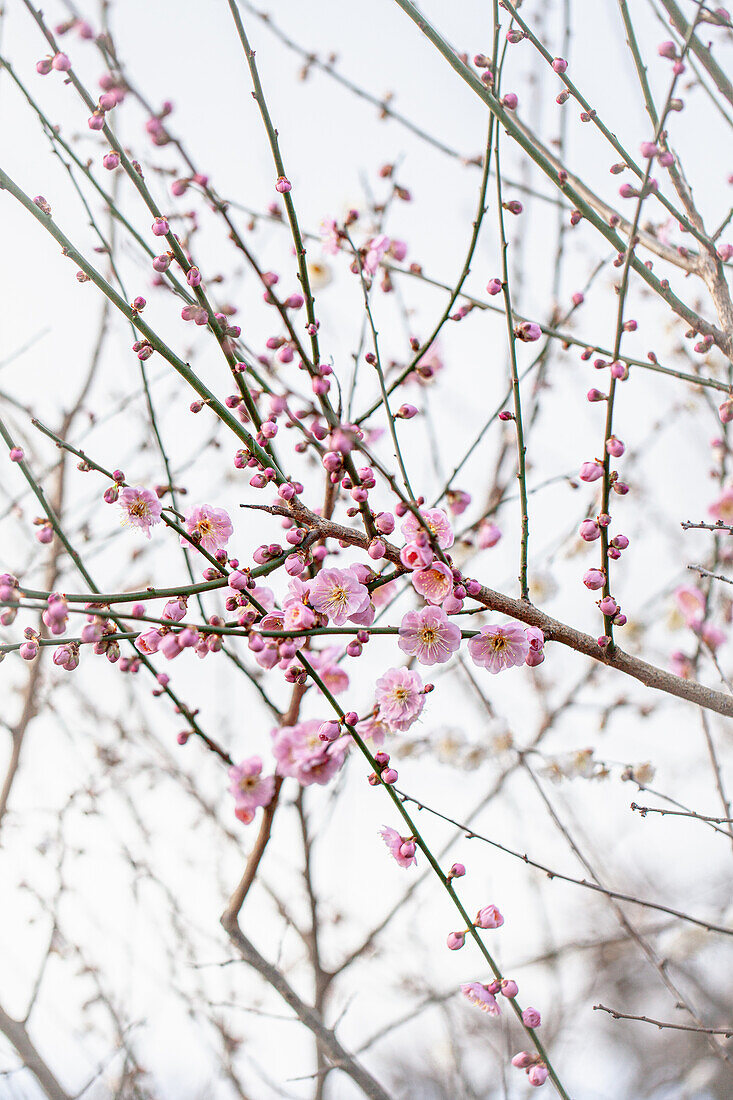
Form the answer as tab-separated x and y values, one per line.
400	697
210	526
401	847
300	753
437	523
691	603
429	635
499	647
481	996
338	595
250	788
434	583
140	508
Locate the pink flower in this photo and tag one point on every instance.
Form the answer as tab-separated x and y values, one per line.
489	917
140	508
691	603
175	610
536	640
499	647
376	249
456	940
722	508
434	582
488	535
338	595
401	847
429	635
416	556
210	526
328	232
479	995
437	523
537	1075
300	753
373	729
250	788
400	697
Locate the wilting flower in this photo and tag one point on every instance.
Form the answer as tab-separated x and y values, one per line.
400	697
250	788
401	847
499	647
429	635
211	527
140	508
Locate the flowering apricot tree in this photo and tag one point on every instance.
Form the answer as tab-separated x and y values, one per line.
395	552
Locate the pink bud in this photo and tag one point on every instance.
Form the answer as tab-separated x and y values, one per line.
405	412
531	1018
560	65
667	49
283	185
494	286
590	471
111	161
43	67
160	227
61	63
456	940
537	1075
457	871
509	988
594	579
16	454
95	121
510	101
589	530
615	447
528	331
524	1059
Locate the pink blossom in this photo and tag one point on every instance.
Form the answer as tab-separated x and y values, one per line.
328	231
401	847
211	527
300	753
338	595
250	788
536	640
429	635
489	917
499	647
149	641
437	523
537	1075
722	508
175	610
434	582
691	603
376	249
488	535
140	508
374	730
479	995
414	555
400	696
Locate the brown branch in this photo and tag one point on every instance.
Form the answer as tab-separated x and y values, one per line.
726	1031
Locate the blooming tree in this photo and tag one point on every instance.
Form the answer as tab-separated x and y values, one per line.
419	543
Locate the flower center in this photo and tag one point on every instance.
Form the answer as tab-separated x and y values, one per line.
428	635
498	643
